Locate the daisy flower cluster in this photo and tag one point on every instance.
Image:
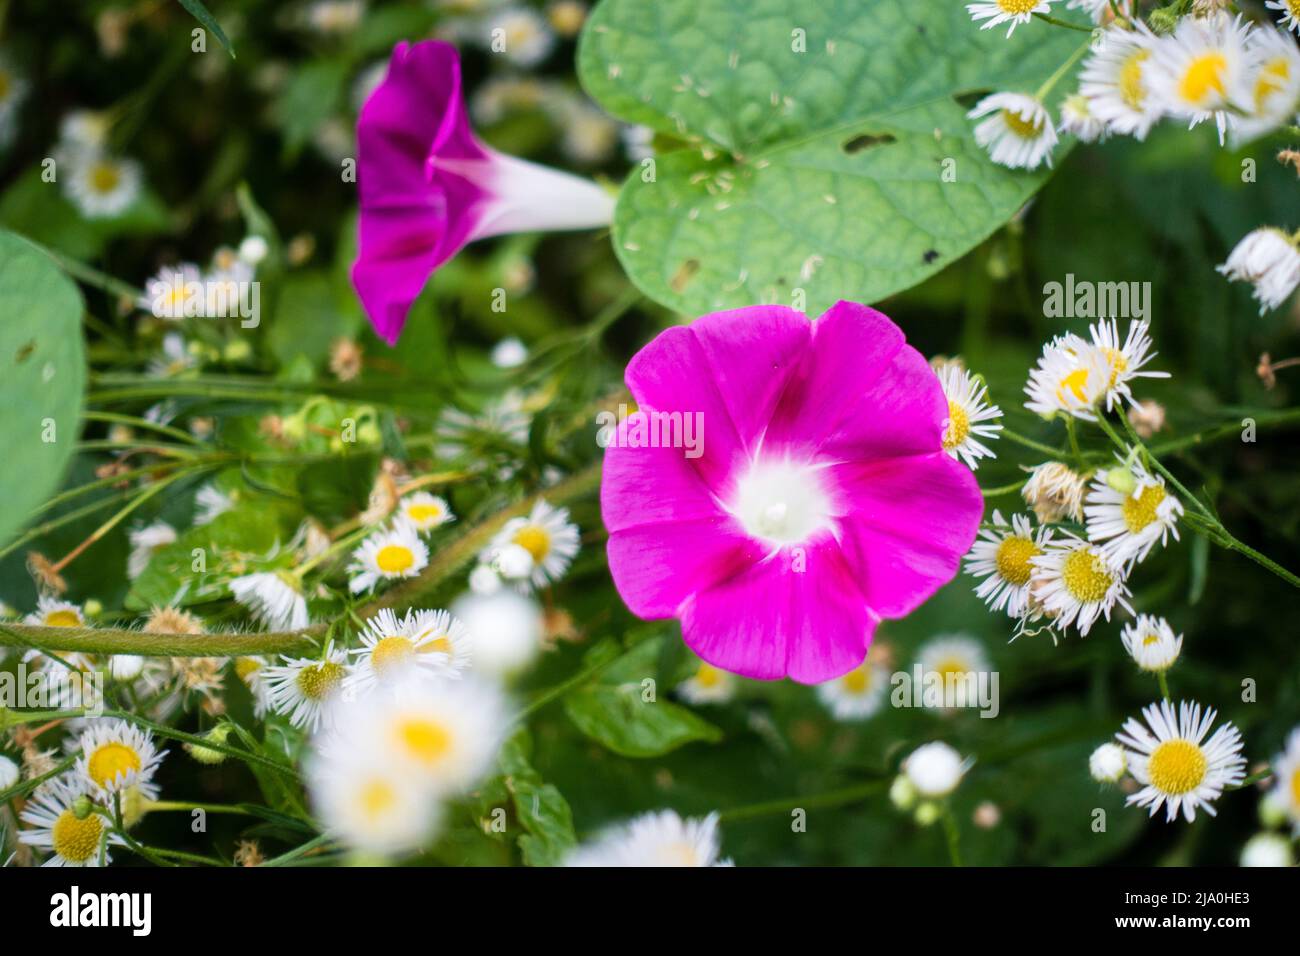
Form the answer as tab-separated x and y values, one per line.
98	183
1242	76
185	290
529	552
1279	812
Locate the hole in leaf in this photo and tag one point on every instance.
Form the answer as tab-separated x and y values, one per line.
684	274
867	140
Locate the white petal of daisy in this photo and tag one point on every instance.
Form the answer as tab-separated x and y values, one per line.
1098	10
102	186
521	34
1130	510
856	695
1108	763
53	825
1018	133
1286	774
448	732
1177	766
708	685
116	755
1003	556
1152	643
505	629
388	555
252	671
1273	85
953	657
274	598
970	416
1291	9
548	537
935	769
370	803
1115	79
994	13
1200	71
1126	359
425	511
301	687
173	292
1055	491
432	641
209	503
1267	258
51	612
1077	582
1079	121
655	839
144	542
1072	376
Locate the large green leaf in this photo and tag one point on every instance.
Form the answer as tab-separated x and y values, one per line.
42	376
820	170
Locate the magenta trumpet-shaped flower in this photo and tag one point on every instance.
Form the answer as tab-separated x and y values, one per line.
783	486
428	186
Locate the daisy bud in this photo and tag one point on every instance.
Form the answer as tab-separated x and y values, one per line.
1272	809
934	769
514	562
1151	642
125	667
82	807
1266	258
253	250
1267	849
926	814
1147	418
8	773
1108	763
92	608
1122	480
483	580
506	629
901	793
206	755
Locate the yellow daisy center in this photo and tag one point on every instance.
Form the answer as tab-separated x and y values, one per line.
1177	766
680	854
423	514
1013	559
246	667
318	680
110	761
394	559
1204	75
1074	382
534	540
1118	364
390	652
104	177
1272	78
1141	511
425	740
376	799
1150	639
1017	6
708	676
1295	787
958	429
1131	90
1085	576
76	840
440	645
1024	128
856	681
952	665
63	619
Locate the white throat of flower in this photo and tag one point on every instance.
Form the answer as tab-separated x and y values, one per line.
781	501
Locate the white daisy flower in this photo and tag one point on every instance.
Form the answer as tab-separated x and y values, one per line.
548	537
509	353
1129	510
145	542
655	839
1273	86
54	825
1199	71
1267	849
174	292
520	33
1015	12
1003	556
301	687
125	667
69	679
1077	582
935	769
1072	376
1098	10
425	511
505	627
116	755
102	186
387	555
1286	774
970	416
1126	359
1267	258
1173	763
447	732
252	671
1108	763
953	657
1079	121
274	598
1291	9
856	695
1019	134
432	641
51	612
334	16
1055	491
369	803
174	358
9	773
1115	79
1152	643
708	685
85	130
210	502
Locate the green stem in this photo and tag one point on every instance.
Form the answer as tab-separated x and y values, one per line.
953	834
285	859
1064	68
135	421
1062	23
832	798
1164	686
1030	443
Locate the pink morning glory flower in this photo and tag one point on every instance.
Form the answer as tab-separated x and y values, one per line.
813	499
428	186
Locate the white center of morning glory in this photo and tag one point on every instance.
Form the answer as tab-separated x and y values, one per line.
781	501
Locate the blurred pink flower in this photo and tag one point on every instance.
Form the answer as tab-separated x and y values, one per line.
428	186
813	499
